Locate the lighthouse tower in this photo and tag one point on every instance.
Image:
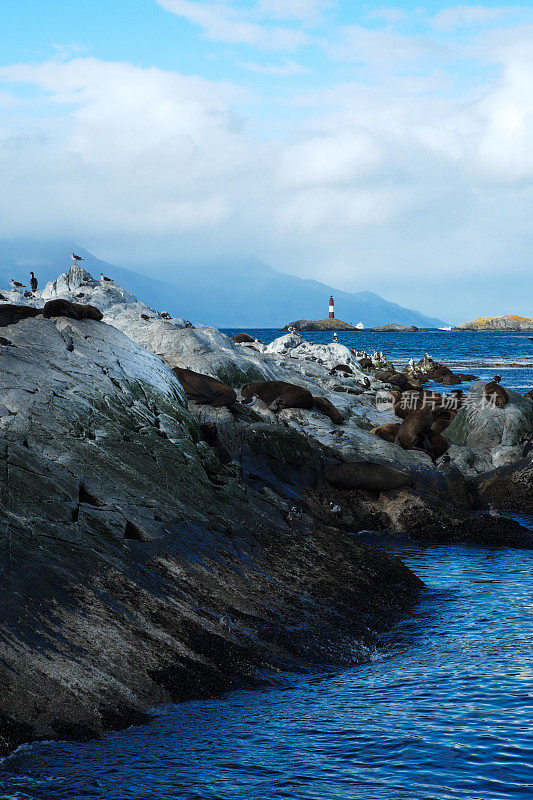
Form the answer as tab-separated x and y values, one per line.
331	308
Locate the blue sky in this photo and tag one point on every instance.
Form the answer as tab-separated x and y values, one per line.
387	148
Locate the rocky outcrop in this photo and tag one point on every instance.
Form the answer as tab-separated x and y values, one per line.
509	322
320	325
427	369
126	544
510	486
394	327
481	425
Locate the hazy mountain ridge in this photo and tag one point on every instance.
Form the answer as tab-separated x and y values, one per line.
239	294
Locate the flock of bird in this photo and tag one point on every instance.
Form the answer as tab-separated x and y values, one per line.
17	286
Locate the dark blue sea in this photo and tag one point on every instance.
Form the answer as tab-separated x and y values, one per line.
441	709
481	354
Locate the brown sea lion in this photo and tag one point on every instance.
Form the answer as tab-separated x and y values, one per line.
278	394
367	475
327	408
438	445
64	308
204	389
209	434
440	424
12	313
496	394
396	396
240	338
86	311
392	376
413	433
388	432
409	401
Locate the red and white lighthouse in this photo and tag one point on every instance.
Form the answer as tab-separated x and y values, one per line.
331	308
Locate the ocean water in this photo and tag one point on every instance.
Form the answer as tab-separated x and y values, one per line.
481	354
441	710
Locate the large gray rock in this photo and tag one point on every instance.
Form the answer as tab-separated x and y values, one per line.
124	541
484	427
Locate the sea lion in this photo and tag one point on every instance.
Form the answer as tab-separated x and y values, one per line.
327	408
12	313
392	376
64	308
441	423
209	434
239	338
413	433
279	394
438	445
204	389
369	475
496	394
408	402
388	432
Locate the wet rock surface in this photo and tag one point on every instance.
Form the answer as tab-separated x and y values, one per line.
125	541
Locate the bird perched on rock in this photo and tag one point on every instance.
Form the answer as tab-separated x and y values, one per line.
334	508
293	517
16	285
33	282
165	315
145	316
226	621
76	258
28	294
103	277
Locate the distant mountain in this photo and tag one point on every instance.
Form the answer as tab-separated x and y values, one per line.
236	294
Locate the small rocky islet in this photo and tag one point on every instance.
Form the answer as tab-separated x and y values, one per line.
508	322
176	506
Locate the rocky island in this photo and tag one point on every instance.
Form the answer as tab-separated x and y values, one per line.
320	325
509	322
394	327
176	507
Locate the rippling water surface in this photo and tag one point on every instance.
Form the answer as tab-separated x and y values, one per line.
444	709
482	354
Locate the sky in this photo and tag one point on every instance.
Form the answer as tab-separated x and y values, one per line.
381	148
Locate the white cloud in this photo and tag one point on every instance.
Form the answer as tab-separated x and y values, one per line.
395	178
449	19
382	50
277	70
225	22
324	208
334	159
307	11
